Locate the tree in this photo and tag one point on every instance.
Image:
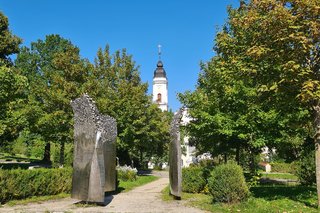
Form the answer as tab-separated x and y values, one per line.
55	74
12	85
273	47
227	116
278	43
9	43
117	88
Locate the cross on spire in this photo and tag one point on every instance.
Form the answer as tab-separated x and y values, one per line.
159	51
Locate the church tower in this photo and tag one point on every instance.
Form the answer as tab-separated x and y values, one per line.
160	85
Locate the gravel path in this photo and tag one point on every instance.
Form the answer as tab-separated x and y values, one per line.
146	198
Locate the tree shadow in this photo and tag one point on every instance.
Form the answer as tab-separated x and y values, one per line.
302	194
144	172
24	165
108	197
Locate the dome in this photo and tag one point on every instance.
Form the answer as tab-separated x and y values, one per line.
160	72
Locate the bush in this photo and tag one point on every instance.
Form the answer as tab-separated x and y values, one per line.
127	173
306	170
227	184
193	180
20	184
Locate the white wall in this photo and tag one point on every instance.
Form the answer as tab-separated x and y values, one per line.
160	85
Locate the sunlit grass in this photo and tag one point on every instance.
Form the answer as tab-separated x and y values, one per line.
267	199
279	176
125	186
37	199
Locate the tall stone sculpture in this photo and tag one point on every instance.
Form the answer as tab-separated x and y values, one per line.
175	172
94	163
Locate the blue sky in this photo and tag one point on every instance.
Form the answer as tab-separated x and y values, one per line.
184	28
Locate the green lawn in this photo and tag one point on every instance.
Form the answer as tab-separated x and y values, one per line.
17	157
8	161
125	186
280	176
277	198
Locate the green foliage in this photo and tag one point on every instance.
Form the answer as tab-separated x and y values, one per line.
9	43
20	184
35	98
227	184
12	120
143	129
126	173
193	179
306	170
12	86
56	74
68	155
262	87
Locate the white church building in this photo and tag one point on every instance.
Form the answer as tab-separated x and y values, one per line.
160	87
160	96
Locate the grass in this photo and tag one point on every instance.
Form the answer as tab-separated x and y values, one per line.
277	198
37	199
124	186
286	176
16	157
8	161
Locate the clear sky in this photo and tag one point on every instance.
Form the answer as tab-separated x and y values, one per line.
184	28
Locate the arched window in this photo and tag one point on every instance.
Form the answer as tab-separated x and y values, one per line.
159	98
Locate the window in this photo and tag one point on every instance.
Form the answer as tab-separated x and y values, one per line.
159	98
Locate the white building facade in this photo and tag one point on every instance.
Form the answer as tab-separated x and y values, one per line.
160	87
188	155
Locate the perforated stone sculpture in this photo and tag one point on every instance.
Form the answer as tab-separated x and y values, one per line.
175	172
94	163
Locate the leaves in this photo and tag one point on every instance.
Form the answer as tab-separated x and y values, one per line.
261	85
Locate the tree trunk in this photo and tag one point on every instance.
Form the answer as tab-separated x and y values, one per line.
61	160
238	155
46	154
142	164
317	148
225	158
252	163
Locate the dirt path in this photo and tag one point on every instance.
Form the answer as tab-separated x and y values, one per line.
145	198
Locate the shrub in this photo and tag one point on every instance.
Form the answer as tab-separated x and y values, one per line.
306	170
127	173
227	184
20	184
193	180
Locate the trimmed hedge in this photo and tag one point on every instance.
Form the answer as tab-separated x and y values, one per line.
193	180
20	184
227	184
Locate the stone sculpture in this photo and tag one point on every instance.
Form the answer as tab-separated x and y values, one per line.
94	163
175	172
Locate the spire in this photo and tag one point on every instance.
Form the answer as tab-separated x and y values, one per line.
159	52
159	72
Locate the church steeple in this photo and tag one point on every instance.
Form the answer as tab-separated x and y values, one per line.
160	72
160	84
